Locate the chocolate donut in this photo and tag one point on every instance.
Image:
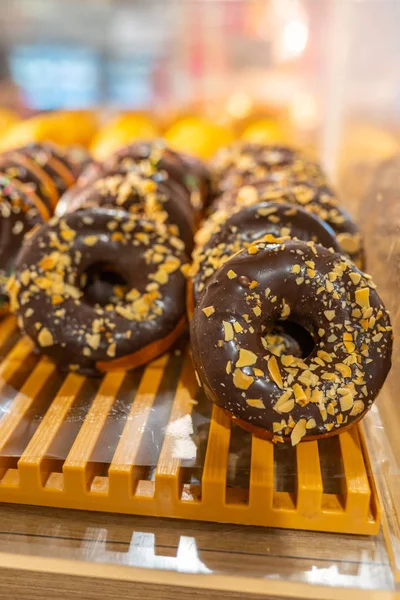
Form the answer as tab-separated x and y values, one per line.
16	165
250	224
73	198
189	172
319	201
51	160
135	193
48	290
284	397
18	215
242	162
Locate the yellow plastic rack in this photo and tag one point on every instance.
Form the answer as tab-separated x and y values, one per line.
120	485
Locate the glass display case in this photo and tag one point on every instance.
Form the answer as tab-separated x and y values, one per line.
323	75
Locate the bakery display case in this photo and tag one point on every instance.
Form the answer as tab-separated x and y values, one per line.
134	483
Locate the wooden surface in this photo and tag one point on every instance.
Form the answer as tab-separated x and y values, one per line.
72	550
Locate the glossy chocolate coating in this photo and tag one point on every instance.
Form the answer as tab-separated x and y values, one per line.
149	197
242	163
250	224
49	298
319	201
18	215
325	294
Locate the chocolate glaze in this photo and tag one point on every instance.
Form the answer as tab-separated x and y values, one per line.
284	396
319	201
250	224
48	291
18	215
243	162
133	192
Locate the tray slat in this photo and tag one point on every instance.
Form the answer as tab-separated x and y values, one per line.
262	474
76	467
167	478
30	465
215	466
356	486
25	399
309	479
122	472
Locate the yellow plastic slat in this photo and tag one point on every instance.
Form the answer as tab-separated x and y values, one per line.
75	469
121	472
25	398
14	361
261	474
309	480
356	487
215	465
167	481
8	326
30	463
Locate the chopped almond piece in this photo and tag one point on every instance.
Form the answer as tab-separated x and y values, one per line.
362	297
346	402
287	360
299	394
298	432
350	347
274	371
255	403
246	358
329	314
241	380
90	240
45	338
237	327
228	331
282	400
357	409
343	369
208	311
355	277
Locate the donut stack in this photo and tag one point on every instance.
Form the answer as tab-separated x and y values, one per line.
289	337
102	285
32	179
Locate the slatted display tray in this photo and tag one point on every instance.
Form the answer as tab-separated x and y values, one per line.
321	486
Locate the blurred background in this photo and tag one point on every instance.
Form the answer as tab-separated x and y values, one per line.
322	74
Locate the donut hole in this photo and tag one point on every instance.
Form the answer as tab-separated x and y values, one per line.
288	337
102	284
